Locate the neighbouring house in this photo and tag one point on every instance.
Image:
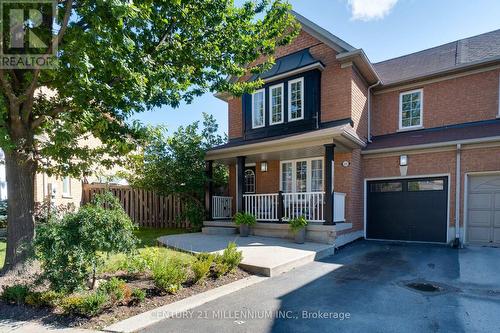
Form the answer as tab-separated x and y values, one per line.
405	149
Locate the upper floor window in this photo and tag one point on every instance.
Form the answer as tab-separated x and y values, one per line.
410	109
276	104
296	99
258	109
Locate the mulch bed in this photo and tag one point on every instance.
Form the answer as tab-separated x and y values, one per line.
153	300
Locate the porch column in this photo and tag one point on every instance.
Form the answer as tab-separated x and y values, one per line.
240	182
209	188
329	187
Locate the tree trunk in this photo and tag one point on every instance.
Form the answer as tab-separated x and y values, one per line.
20	174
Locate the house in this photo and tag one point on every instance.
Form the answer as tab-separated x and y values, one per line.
406	149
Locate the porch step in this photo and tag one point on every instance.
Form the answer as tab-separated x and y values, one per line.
218	230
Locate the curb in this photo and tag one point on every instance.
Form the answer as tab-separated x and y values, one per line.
151	317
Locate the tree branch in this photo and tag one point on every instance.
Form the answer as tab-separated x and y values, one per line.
39	120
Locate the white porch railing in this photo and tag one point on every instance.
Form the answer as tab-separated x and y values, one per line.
308	204
221	207
263	206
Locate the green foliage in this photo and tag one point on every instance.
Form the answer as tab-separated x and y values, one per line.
116	289
175	165
169	275
244	218
201	266
228	260
138	295
68	249
87	305
297	224
39	299
46	210
15	294
3	213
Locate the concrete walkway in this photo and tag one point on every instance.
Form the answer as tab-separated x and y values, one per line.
14	326
261	255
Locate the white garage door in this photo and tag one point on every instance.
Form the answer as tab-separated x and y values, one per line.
483	210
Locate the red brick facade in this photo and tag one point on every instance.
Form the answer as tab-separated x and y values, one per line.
459	100
447	100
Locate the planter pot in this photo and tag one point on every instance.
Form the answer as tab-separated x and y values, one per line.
300	236
244	230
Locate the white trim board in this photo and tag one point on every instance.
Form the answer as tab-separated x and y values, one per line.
365	194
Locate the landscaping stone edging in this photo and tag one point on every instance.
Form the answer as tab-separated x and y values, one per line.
151	317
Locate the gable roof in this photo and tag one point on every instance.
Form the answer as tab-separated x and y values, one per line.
452	56
323	35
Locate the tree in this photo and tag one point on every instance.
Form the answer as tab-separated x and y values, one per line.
175	164
117	58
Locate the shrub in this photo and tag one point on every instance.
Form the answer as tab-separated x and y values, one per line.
220	268
68	248
46	210
116	289
244	218
297	224
231	256
48	298
87	305
138	295
201	266
228	260
169	275
15	294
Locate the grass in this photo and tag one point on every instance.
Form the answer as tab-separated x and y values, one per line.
147	238
3	244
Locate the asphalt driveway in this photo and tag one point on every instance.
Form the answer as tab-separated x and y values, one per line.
363	288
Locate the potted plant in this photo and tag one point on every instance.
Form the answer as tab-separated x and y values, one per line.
244	221
298	228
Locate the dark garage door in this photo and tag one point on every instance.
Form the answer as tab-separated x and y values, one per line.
407	209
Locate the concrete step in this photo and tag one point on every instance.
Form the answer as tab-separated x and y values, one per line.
218	230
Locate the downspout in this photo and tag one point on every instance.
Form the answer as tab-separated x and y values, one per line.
369	127
456	242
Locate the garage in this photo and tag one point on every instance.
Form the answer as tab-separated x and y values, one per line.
410	209
483	210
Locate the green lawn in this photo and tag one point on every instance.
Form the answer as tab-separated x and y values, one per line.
3	244
147	237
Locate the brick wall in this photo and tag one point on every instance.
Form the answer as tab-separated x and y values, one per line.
268	182
459	100
339	86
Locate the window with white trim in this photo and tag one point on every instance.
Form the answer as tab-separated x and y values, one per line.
249	181
66	187
302	175
410	109
258	108
276	104
296	99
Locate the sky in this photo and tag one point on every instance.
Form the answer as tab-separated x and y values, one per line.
384	29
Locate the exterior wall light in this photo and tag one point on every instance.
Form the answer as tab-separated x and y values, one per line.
263	166
403	160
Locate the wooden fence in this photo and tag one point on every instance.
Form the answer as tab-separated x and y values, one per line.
145	208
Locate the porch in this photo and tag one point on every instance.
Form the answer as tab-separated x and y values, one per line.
281	207
313	174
